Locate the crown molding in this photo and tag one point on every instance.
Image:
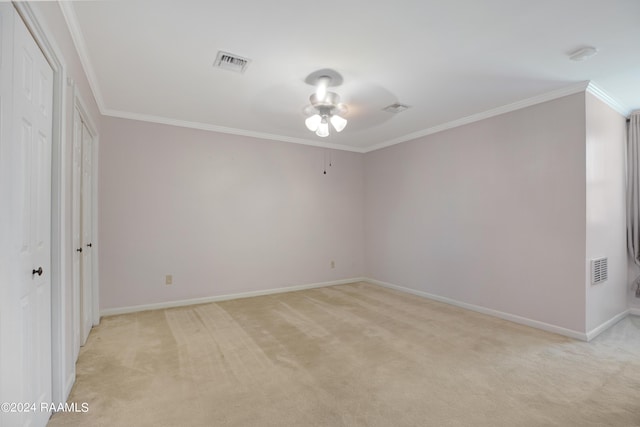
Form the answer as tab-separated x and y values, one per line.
78	39
549	96
596	91
73	25
69	14
227	130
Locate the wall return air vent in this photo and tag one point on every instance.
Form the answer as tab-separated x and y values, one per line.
599	270
231	62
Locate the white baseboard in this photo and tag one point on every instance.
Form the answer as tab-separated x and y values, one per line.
495	313
204	300
484	310
606	325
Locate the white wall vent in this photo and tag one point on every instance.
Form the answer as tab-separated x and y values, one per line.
599	270
395	108
231	62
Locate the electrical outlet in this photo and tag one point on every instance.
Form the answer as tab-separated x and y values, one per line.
168	279
333	264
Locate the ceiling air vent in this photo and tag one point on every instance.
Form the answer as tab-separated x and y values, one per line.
229	61
395	108
599	270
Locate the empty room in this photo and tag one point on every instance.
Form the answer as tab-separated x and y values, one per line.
411	213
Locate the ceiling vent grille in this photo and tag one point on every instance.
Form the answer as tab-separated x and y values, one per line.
599	270
231	62
395	108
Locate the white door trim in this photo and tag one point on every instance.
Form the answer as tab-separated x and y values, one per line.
61	380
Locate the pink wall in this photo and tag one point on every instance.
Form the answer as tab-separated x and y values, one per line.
490	214
223	214
605	214
503	214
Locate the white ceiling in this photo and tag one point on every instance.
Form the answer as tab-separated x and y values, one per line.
451	60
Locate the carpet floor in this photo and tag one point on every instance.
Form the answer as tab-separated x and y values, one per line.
349	355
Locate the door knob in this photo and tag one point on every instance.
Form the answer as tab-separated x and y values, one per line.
79	250
89	245
38	272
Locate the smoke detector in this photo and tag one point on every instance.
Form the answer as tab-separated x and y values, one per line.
583	53
231	62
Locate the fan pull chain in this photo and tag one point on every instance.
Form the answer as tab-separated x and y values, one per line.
324	164
327	153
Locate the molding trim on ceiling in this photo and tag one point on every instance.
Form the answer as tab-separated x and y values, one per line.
549	96
596	91
69	14
587	86
227	130
78	39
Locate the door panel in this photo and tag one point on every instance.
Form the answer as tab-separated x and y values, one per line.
26	374
82	229
87	234
76	229
23	185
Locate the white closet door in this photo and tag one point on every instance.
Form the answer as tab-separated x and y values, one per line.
76	229
87	234
82	230
26	304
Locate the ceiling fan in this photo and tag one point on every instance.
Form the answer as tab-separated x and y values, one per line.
326	111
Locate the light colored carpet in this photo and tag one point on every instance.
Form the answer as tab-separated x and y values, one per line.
349	355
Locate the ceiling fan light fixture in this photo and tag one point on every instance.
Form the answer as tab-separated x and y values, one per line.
326	106
323	128
313	122
338	123
321	90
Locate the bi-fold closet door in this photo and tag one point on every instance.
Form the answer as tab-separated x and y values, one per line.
82	228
